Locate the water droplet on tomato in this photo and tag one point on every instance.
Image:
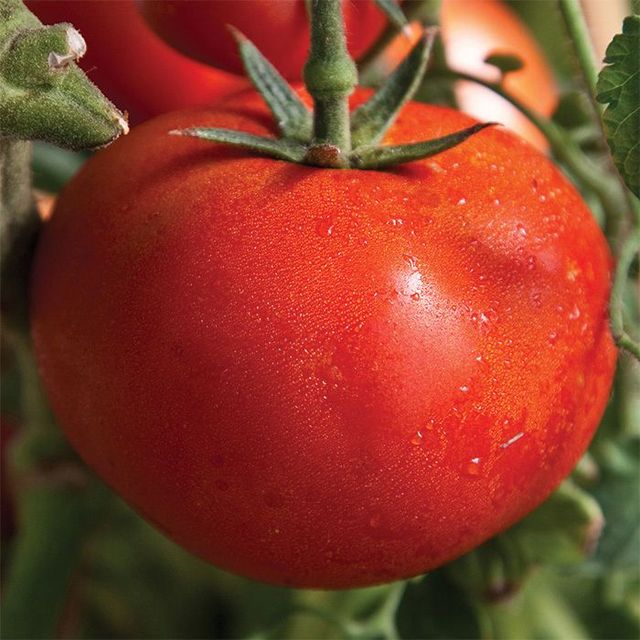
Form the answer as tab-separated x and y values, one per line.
464	388
574	314
521	229
324	227
411	261
510	441
417	439
415	296
473	467
552	338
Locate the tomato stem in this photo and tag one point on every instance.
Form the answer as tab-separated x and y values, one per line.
330	76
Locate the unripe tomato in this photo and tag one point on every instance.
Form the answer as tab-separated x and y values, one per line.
279	29
317	377
473	30
130	64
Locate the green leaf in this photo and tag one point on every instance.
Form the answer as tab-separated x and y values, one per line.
618	87
371	120
371	157
279	149
436	607
505	62
562	530
619	496
291	115
393	12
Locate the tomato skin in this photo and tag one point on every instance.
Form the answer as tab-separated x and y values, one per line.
130	64
324	378
279	29
471	31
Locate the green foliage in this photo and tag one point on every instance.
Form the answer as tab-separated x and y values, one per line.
619	88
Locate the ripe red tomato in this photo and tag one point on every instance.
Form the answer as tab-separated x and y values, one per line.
279	29
472	30
130	64
317	377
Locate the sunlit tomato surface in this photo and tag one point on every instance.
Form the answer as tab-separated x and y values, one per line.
130	64
280	29
473	30
316	377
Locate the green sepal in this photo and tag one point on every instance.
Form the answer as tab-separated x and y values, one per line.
372	157
393	12
292	117
370	121
279	149
618	87
43	94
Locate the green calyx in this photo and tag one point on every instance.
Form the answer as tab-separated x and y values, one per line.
43	94
331	136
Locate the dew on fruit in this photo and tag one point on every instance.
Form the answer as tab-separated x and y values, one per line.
552	338
521	229
411	261
473	467
417	439
508	443
396	222
484	320
574	314
415	296
324	227
464	388
462	201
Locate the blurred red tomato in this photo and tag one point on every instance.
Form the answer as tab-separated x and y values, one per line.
130	64
472	30
280	29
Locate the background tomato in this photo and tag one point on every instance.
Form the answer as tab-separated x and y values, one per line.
279	29
130	64
472	30
326	378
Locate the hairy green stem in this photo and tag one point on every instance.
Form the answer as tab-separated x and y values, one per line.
580	39
576	26
330	76
629	251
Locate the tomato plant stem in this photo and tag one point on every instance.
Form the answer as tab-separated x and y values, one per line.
627	254
330	76
576	26
58	503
